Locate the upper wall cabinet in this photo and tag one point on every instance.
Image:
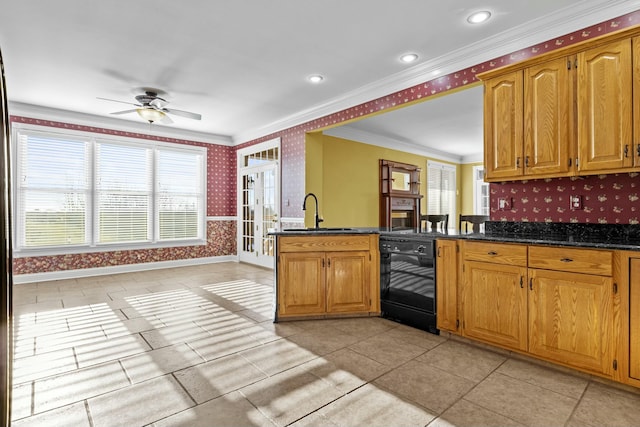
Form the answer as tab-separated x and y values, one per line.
605	118
566	114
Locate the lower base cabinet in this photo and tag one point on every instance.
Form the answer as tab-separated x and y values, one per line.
570	318
554	303
327	275
447	285
634	319
495	304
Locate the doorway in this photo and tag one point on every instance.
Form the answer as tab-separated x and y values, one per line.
258	202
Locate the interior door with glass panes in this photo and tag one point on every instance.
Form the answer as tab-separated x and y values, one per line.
260	214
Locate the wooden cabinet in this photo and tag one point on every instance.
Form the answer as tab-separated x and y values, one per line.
323	275
604	107
301	278
347	280
634	318
554	303
447	285
548	94
399	195
570	318
628	345
494	296
567	113
503	114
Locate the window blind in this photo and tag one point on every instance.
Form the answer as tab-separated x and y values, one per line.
52	191
77	191
123	193
180	177
441	189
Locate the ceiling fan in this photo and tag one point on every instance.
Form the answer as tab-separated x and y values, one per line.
153	108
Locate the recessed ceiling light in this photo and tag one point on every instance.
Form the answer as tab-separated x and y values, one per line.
409	57
479	17
315	78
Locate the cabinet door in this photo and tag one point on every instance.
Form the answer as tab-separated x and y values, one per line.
547	118
570	318
447	285
494	301
605	119
634	318
635	43
301	283
348	281
503	143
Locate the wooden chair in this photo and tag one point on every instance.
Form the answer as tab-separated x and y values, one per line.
437	221
475	220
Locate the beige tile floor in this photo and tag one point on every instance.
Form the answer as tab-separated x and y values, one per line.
195	346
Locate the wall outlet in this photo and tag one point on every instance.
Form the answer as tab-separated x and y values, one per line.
505	203
575	203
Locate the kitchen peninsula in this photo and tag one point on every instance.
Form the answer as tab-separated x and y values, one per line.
323	273
559	292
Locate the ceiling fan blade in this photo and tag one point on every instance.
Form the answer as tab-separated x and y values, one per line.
166	120
115	100
181	113
158	103
125	111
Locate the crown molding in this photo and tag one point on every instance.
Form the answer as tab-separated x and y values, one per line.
559	23
66	116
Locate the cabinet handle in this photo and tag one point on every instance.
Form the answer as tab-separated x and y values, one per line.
521	282
328	263
439	252
531	283
492	253
517	162
526	161
638	150
626	150
569	161
566	260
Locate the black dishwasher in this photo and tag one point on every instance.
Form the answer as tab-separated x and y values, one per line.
408	280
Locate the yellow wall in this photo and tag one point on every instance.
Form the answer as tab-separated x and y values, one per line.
346	174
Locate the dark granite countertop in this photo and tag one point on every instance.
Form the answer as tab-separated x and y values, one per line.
600	236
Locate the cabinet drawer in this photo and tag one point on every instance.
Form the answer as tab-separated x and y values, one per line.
497	253
588	261
324	243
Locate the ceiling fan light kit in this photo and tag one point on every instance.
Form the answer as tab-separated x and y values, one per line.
150	114
152	108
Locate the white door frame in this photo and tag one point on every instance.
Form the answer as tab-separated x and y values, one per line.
262	250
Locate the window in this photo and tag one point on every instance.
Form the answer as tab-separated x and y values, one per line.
80	191
441	189
480	192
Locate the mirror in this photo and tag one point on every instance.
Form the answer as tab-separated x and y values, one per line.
400	181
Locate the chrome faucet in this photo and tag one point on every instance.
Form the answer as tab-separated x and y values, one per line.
304	208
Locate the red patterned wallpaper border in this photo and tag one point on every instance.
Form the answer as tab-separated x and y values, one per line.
221	241
293	139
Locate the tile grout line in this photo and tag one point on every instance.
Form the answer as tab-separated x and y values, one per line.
88	410
575	408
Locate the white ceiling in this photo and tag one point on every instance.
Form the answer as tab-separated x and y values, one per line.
243	64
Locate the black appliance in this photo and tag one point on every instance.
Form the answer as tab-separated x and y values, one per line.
408	279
